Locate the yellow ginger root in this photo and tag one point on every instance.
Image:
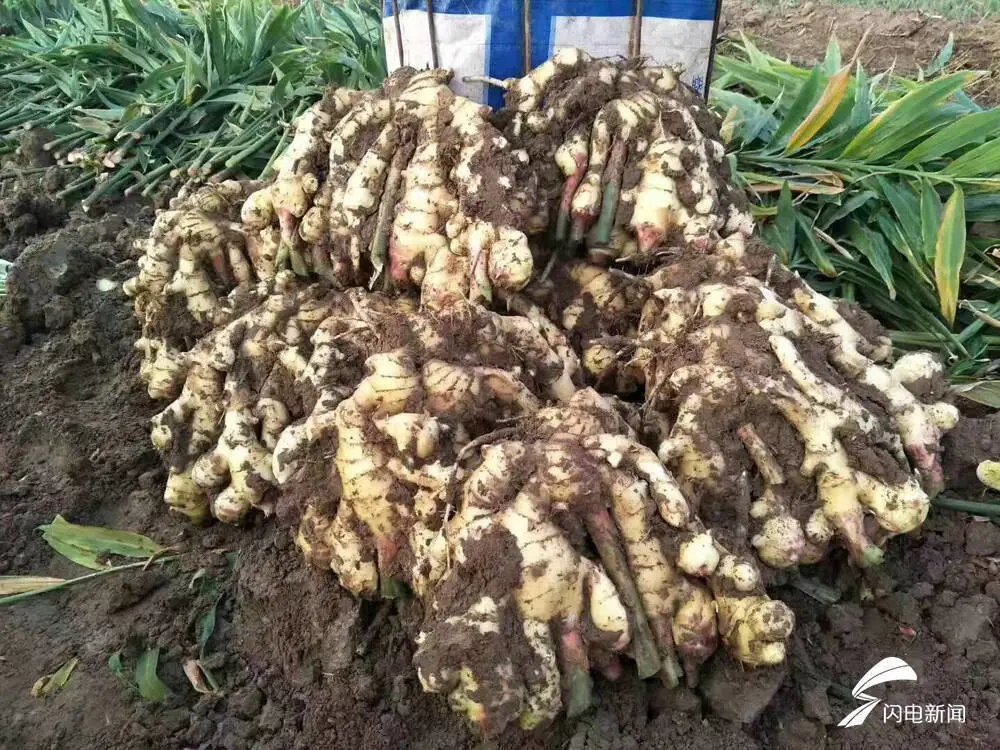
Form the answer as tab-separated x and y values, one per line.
387	432
218	434
599	309
988	472
798	365
272	390
439	446
163	368
196	249
514	562
753	627
777	383
638	160
239	463
520	356
381	187
290	196
415	185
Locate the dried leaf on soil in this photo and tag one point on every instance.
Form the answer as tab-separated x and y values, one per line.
23	584
200	677
87	545
50	683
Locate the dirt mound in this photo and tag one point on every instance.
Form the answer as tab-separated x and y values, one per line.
74	440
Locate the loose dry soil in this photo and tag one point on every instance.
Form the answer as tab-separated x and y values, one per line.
74	440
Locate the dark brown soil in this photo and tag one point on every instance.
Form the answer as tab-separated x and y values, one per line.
904	40
74	440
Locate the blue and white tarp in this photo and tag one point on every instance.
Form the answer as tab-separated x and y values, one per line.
485	37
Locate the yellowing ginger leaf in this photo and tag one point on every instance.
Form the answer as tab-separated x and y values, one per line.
50	683
24	584
950	252
822	111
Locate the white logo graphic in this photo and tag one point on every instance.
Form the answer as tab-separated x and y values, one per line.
889	669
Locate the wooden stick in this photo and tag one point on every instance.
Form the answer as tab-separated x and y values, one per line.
399	31
635	34
433	33
526	33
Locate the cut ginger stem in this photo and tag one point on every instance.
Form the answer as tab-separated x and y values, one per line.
603	531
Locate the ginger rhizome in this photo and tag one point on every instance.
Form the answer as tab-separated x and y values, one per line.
532	368
638	167
406	187
575	472
784	419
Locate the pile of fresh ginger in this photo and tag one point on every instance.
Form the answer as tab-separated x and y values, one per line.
532	368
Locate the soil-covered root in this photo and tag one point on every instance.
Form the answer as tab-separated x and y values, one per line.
627	152
218	434
785	419
197	250
431	387
525	607
598	308
788	420
290	195
377	378
406	187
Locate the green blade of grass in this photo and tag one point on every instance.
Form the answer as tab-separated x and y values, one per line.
875	249
942	58
905	204
849	206
894	234
812	249
981	161
930	220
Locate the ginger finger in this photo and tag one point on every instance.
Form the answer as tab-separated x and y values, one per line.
572	158
753	627
662	486
364	188
379	251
